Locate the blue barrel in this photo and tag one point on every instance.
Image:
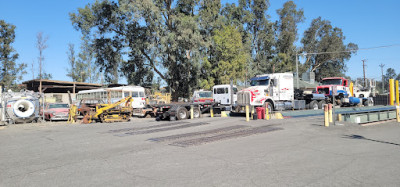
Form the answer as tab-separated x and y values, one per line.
354	100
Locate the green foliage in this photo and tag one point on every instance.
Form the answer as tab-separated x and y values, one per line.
197	44
10	71
289	17
323	37
232	58
103	24
78	70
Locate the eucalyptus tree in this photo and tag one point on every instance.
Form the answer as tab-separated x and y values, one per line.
10	71
289	18
327	52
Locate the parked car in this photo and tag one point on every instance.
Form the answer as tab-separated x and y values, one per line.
56	111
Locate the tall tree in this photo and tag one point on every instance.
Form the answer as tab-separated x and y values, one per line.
104	24
85	58
41	45
10	71
209	21
390	74
289	17
321	37
263	37
78	70
232	58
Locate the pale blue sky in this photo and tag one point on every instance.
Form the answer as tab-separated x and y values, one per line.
364	22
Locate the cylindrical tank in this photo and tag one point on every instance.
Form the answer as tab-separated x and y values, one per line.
354	100
21	107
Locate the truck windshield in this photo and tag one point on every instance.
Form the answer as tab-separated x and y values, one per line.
205	94
259	82
332	82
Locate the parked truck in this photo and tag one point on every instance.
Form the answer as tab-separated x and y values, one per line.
225	95
365	88
344	95
277	91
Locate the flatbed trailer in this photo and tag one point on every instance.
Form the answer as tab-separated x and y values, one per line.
180	111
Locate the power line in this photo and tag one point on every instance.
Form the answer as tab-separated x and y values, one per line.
369	48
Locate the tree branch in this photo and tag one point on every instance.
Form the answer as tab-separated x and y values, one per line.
152	65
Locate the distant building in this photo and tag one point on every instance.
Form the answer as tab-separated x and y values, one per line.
57	91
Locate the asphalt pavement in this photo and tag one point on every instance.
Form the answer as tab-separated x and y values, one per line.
201	152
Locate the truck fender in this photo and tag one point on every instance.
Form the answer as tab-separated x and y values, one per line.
270	101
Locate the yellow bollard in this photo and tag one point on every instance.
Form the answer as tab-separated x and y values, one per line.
398	113
247	113
397	92
212	112
266	112
351	87
330	113
326	115
339	117
191	111
391	94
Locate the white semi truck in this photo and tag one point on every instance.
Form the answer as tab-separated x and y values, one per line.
278	92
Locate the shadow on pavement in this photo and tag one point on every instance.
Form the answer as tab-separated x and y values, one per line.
354	136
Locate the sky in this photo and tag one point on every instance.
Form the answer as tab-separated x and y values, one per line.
367	23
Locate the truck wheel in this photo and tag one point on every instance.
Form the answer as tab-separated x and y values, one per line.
321	104
270	106
368	103
196	113
182	113
313	105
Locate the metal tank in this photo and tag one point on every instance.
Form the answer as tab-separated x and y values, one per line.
19	107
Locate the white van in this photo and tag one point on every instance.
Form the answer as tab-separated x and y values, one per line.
222	94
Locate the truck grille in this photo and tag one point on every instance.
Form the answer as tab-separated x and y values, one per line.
323	90
243	98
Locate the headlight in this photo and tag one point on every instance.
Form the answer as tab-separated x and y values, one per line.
53	113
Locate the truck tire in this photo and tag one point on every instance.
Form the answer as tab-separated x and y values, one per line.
196	113
182	113
313	105
270	106
368	103
321	104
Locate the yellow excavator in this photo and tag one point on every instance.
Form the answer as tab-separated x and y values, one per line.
111	112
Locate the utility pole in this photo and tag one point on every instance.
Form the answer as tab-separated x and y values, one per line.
383	81
365	83
297	72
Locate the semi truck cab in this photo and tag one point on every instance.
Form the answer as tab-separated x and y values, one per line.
276	89
341	83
